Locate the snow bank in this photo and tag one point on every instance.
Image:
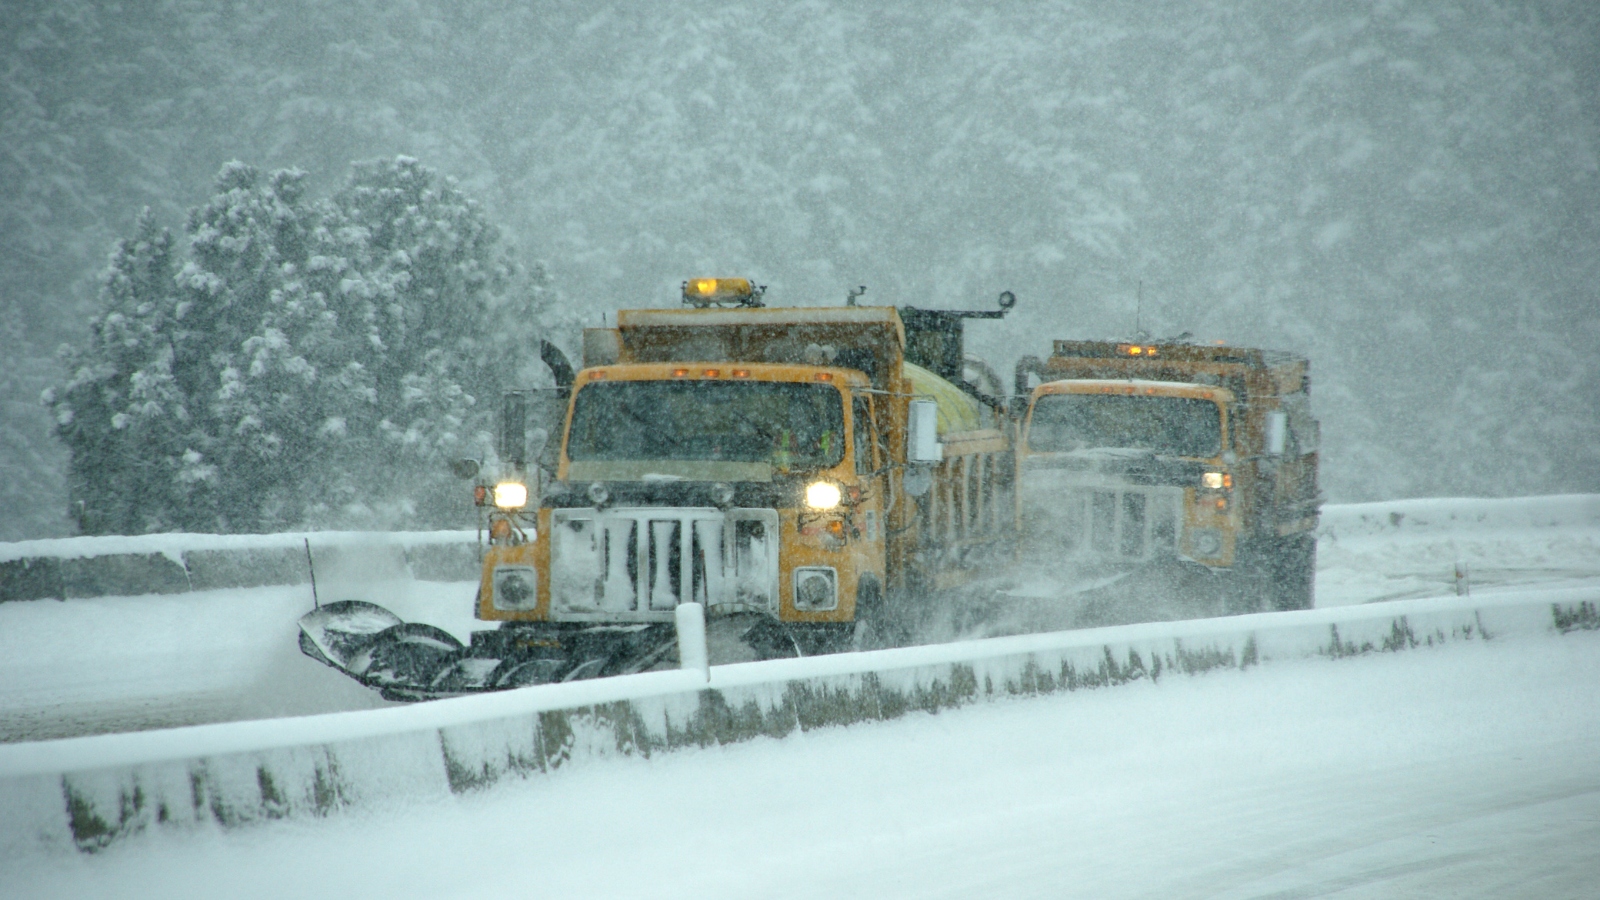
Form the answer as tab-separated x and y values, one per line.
1416	548
82	567
1435	517
89	792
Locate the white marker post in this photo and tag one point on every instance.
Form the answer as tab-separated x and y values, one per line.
692	653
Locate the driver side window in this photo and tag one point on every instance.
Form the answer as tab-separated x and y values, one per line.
865	438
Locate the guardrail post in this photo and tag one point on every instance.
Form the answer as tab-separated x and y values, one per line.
692	653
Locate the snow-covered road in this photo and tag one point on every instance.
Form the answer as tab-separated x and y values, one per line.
1463	771
119	663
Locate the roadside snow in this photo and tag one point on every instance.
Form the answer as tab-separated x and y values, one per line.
1413	548
110	664
1465	771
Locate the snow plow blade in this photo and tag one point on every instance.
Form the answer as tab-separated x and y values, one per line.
415	661
342	634
411	661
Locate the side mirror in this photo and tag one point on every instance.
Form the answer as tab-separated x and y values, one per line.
922	434
464	468
1277	432
514	430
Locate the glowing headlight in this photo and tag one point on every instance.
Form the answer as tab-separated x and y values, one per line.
822	495
510	495
1211	480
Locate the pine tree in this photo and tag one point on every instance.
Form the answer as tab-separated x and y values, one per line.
311	364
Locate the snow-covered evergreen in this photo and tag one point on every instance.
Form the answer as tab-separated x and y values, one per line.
311	362
1407	192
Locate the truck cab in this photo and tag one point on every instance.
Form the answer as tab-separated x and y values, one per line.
792	470
1138	454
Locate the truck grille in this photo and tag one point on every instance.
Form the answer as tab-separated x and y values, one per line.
1111	523
639	564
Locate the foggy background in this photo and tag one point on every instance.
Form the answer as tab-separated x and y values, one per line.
1408	193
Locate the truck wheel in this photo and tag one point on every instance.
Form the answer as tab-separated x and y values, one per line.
1249	585
872	630
1294	572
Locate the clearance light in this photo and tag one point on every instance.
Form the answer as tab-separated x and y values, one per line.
741	373
680	373
599	375
1138	350
822	495
823	376
711	373
510	495
499	530
480	495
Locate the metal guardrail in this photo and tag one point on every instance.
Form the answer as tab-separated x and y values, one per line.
93	791
73	568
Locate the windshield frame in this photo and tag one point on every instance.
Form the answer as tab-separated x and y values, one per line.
685	377
1189	395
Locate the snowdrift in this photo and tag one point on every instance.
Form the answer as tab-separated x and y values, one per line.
90	792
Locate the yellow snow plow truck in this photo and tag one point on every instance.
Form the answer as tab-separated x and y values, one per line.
810	476
1170	456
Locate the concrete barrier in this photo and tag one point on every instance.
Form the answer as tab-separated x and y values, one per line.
73	568
90	792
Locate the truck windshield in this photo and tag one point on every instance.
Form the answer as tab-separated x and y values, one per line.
1172	426
784	424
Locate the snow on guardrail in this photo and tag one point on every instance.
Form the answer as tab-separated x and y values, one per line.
1449	516
90	792
137	565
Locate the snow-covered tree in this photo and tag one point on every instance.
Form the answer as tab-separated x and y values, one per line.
311	363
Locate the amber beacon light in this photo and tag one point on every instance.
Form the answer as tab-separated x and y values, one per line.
703	292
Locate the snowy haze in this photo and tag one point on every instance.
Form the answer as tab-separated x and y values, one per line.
1406	192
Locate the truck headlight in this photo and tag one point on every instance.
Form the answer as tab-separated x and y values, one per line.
1211	481
510	495
1206	543
816	588
516	588
822	495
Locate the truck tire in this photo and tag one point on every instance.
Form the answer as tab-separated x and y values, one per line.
1248	586
1294	572
873	630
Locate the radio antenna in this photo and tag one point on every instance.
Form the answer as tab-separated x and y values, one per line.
312	566
1138	311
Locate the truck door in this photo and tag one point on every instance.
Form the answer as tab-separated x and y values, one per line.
873	481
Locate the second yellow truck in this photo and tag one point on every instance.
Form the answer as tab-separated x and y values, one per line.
1139	454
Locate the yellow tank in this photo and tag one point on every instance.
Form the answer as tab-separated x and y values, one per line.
957	410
